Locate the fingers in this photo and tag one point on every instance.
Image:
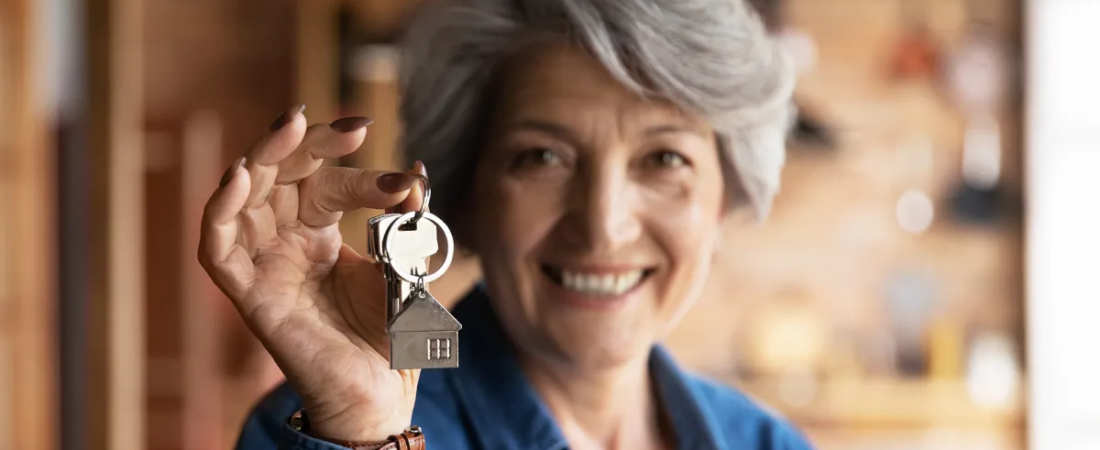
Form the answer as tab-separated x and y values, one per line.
284	136
331	140
328	192
226	261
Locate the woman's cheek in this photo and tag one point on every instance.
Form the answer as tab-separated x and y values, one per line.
528	209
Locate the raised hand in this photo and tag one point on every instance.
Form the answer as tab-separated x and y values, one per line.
271	243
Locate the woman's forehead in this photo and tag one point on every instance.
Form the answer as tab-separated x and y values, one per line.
557	80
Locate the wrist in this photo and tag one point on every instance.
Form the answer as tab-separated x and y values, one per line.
349	427
410	438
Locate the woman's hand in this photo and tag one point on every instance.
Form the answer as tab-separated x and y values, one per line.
271	243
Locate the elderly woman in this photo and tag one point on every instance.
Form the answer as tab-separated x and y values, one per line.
589	153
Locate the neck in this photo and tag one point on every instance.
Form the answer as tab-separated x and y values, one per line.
605	408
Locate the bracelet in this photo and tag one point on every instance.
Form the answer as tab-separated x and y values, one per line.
411	439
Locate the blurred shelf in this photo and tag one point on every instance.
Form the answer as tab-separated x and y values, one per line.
886	403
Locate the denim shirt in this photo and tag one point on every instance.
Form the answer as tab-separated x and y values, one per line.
487	404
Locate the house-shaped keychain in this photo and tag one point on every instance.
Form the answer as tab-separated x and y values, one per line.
423	335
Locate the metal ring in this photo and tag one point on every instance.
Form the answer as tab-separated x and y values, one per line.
414	278
427	197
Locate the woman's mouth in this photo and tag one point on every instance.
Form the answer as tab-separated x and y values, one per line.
596	283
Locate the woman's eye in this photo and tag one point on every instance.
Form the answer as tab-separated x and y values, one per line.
667	159
537	157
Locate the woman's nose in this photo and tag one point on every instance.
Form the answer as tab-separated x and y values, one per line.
606	213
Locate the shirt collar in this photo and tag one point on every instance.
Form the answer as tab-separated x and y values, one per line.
507	413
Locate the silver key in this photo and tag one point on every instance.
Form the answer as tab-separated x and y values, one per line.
424	335
411	240
412	243
376	230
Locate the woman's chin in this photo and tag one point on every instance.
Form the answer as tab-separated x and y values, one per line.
599	354
600	337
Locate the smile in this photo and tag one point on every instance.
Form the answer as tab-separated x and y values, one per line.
603	284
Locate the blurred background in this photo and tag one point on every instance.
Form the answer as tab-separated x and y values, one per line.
901	296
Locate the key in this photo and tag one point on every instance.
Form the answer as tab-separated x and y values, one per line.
424	335
376	231
411	240
377	227
412	244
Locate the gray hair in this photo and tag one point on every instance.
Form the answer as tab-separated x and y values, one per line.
709	57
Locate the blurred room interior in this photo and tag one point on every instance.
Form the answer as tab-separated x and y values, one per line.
920	285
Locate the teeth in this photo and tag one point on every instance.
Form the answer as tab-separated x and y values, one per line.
601	284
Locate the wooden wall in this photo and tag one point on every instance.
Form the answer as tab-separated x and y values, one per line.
217	73
28	357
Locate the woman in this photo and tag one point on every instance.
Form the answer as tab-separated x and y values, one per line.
589	152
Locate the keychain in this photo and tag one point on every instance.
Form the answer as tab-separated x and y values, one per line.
423	334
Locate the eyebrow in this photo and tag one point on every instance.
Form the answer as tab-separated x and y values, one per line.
563	132
670	129
550	128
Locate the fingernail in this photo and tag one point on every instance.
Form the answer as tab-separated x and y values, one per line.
419	168
349	124
231	171
392	183
287	117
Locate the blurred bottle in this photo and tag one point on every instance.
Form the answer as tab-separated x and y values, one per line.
910	301
945	349
977	198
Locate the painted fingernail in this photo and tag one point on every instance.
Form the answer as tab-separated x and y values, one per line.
392	183
287	117
418	167
349	124
231	172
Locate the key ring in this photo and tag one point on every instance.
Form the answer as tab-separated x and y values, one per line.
427	197
410	217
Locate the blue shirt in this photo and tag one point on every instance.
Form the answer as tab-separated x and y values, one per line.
487	404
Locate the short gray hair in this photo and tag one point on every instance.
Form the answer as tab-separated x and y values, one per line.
709	57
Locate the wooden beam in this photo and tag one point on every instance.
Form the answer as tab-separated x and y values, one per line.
28	350
200	356
317	59
115	383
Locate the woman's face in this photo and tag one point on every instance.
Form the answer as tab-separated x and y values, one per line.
597	211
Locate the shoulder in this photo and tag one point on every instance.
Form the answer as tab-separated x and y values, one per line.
741	419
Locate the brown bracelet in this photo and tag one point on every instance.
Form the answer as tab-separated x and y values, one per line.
411	439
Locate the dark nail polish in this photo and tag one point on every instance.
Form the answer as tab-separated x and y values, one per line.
287	117
349	124
392	183
231	171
